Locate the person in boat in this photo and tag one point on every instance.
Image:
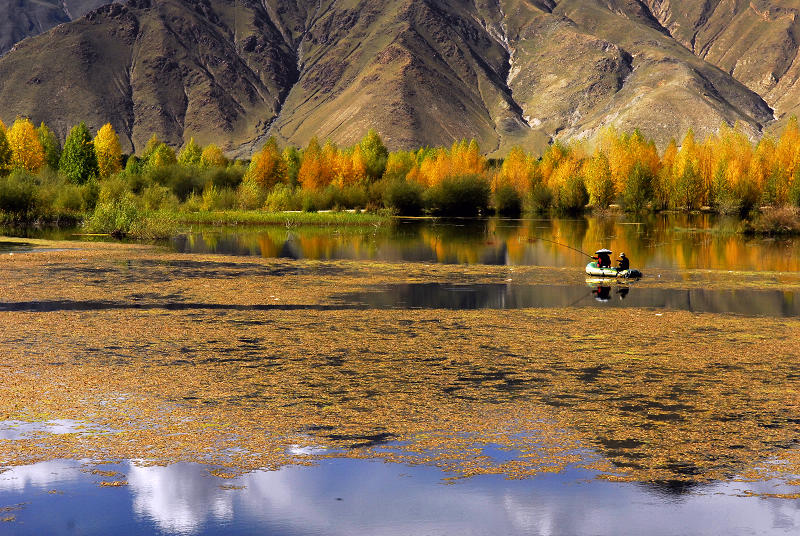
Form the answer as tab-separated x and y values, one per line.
623	263
603	258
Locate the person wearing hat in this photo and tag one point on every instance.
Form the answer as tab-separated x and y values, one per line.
624	263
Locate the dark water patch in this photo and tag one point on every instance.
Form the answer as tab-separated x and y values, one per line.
601	299
13	247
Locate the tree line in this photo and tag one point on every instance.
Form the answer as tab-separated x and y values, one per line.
725	172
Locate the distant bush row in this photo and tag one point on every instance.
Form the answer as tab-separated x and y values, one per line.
90	176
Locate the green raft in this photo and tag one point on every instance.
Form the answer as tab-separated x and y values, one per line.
593	270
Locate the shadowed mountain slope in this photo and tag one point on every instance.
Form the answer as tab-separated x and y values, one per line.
423	72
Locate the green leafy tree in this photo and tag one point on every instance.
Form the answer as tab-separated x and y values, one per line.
162	156
190	154
50	144
293	159
375	155
78	159
152	144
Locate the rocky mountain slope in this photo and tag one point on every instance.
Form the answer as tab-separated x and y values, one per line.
25	18
423	72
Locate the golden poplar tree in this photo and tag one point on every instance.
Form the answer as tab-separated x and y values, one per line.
108	151
26	149
267	168
309	174
212	157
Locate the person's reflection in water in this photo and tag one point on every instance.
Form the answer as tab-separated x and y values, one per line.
622	292
602	293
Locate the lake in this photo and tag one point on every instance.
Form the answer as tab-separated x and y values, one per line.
436	377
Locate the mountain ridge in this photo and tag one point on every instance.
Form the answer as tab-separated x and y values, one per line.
506	72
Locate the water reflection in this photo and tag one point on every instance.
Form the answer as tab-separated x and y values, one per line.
656	241
596	294
367	497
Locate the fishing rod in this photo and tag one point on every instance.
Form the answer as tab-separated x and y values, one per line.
566	246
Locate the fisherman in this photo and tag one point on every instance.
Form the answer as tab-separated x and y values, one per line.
624	263
603	258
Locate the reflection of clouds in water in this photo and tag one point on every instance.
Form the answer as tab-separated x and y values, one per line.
18	429
179	498
377	500
386	499
40	475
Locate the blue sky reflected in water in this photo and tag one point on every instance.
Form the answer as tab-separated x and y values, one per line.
341	497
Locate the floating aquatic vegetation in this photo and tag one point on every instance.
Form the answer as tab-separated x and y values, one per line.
170	358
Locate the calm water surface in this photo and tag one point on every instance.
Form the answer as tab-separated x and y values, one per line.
666	241
369	497
652	242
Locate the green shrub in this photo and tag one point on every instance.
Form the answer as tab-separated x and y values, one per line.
540	198
462	195
17	194
571	197
507	201
218	199
69	201
638	188
228	177
156	197
116	217
113	189
250	196
348	197
404	197
281	198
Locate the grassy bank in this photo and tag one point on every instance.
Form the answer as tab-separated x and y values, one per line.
288	218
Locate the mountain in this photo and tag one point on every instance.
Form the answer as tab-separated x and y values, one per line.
25	18
422	72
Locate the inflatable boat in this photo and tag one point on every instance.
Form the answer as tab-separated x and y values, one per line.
593	270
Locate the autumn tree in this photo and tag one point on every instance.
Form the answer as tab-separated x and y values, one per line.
78	159
599	182
5	150
162	156
310	169
152	144
398	164
190	154
26	150
108	151
212	156
267	168
50	144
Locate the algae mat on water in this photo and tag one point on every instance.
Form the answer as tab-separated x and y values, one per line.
249	363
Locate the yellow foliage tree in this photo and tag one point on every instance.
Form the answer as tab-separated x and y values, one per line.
267	168
212	156
108	151
26	149
311	174
517	171
599	183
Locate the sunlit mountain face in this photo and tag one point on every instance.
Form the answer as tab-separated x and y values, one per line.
422	73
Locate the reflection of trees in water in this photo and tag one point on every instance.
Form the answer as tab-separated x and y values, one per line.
662	240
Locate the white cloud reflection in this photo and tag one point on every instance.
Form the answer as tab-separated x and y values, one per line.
354	496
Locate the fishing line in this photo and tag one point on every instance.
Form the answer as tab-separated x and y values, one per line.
564	245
